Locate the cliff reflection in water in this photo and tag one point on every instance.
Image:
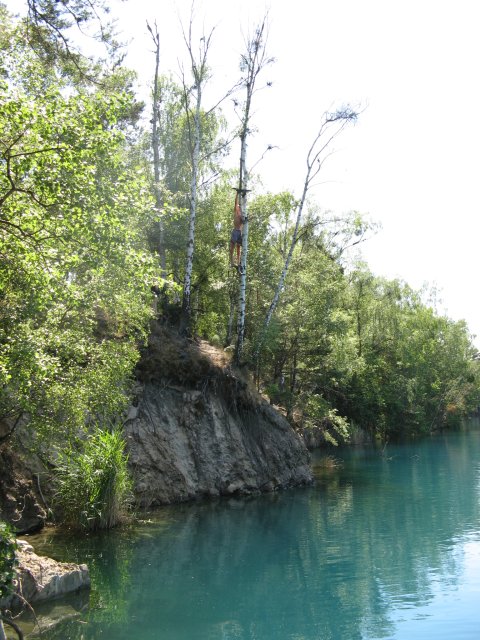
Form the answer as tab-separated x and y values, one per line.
371	546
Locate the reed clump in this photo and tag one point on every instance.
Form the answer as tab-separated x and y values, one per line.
93	484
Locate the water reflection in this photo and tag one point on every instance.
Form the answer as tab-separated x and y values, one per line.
371	552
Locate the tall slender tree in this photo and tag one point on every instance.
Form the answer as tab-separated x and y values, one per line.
156	101
332	125
199	71
252	62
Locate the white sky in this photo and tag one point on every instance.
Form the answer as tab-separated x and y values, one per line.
411	161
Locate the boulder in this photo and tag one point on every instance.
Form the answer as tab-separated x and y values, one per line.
40	578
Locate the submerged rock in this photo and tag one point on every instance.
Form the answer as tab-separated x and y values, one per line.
198	429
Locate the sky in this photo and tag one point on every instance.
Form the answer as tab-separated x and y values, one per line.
410	163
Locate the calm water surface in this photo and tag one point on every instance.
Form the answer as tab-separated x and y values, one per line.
387	547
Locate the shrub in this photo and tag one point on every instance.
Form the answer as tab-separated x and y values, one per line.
7	560
93	484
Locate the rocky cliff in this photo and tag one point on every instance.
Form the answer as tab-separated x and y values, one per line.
200	429
197	428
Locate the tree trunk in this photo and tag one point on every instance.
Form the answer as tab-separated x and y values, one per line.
283	275
253	61
200	76
231	313
187	284
156	156
242	289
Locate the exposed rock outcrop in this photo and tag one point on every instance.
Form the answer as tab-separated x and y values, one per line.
199	429
40	578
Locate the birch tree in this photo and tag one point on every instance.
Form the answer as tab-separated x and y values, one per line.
252	62
156	101
199	71
332	125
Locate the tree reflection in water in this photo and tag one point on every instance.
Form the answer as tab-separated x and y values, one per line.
340	560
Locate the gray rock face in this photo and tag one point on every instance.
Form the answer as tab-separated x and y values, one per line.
187	443
40	578
199	429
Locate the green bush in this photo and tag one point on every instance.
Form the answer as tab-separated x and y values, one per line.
318	413
93	484
7	560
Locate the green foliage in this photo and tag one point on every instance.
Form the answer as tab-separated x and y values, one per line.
7	560
319	414
93	484
79	248
75	270
54	29
416	370
346	347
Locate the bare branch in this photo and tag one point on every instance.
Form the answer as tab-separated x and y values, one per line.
270	147
315	160
230	92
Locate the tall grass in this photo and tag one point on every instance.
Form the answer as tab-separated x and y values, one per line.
94	487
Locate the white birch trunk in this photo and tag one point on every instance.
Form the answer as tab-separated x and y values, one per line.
254	61
228	338
187	286
242	289
156	157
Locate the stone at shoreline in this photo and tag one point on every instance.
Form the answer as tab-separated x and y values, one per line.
40	578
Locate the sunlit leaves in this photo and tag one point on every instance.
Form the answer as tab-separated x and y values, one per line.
74	270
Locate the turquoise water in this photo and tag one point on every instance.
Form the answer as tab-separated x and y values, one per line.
386	547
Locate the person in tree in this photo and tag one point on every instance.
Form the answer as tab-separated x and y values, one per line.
236	237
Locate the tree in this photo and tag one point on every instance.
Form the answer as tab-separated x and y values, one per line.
50	24
199	70
307	351
253	61
156	100
174	128
415	371
74	267
332	125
